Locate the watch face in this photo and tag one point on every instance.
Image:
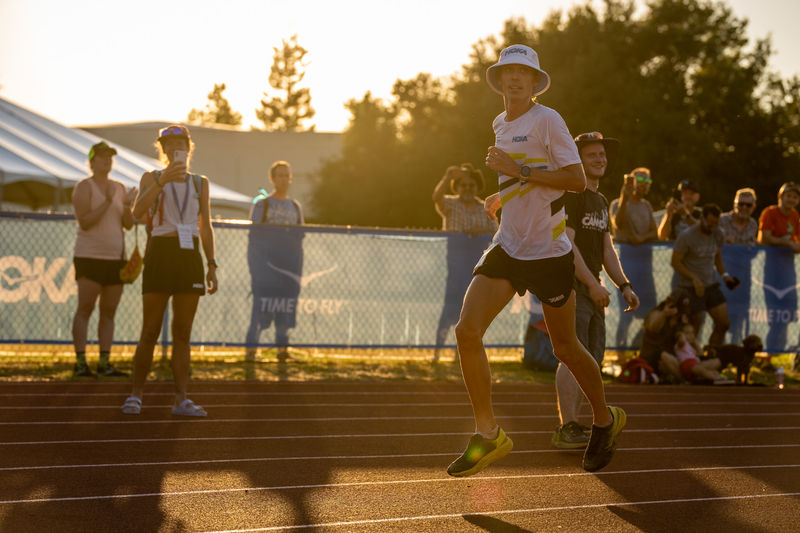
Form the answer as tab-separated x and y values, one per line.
525	171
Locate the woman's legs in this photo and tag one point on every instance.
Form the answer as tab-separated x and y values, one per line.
566	347
184	307
484	299
110	296
153	306
88	291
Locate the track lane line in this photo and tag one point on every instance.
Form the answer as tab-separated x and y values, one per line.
507	512
374	435
395	482
362	418
371	456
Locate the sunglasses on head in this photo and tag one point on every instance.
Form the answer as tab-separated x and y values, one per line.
591	136
173	130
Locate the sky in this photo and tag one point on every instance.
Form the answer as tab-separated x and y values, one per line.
90	62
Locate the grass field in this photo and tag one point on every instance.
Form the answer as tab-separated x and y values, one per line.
54	363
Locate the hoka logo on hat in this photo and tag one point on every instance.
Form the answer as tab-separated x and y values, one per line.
514	50
518	54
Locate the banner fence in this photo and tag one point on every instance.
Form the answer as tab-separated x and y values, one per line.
339	287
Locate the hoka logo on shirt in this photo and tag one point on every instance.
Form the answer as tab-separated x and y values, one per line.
520	139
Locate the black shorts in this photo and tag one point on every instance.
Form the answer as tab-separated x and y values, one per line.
102	271
711	298
550	279
171	269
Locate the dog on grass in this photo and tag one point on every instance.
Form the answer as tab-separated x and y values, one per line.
739	356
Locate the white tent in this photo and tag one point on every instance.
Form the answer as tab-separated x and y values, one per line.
42	160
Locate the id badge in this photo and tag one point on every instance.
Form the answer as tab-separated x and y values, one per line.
185	236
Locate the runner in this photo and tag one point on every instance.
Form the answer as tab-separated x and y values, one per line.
537	162
587	228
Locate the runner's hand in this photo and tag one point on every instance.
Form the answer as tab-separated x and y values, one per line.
631	299
491	205
599	295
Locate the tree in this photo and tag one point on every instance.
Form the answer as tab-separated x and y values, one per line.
681	86
218	110
289	113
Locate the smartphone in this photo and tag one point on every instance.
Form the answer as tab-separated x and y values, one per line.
180	156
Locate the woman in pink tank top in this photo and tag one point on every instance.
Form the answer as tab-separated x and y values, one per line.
102	207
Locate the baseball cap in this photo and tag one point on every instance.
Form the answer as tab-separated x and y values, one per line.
101	148
609	143
517	54
688	184
789	186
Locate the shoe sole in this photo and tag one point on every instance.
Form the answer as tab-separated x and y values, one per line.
564	445
495	455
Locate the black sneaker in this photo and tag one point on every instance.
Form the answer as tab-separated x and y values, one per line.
603	441
82	370
571	435
480	453
109	371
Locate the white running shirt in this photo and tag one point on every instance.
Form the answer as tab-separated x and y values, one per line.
533	221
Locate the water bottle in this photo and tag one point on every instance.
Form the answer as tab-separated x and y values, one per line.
779	378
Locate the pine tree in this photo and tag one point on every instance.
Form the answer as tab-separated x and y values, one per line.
218	110
287	71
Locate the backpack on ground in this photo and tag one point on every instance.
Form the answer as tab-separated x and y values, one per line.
637	370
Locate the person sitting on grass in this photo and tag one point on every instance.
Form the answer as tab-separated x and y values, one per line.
693	369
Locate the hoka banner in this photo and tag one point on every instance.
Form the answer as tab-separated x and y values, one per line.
340	287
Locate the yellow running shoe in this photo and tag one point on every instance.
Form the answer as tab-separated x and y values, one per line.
480	453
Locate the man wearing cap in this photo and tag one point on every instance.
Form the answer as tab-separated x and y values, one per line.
695	257
530	252
681	211
587	228
779	226
102	208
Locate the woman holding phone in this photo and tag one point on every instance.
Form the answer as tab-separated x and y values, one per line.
176	205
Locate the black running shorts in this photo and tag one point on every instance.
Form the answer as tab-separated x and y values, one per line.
549	279
171	269
102	271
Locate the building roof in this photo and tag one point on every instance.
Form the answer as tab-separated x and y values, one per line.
42	160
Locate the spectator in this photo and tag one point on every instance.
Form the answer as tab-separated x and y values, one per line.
462	213
631	214
660	333
177	206
697	252
692	369
741	231
102	207
588	229
275	266
738	225
633	224
779	227
681	211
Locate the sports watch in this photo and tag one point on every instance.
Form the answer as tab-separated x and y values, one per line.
213	263
525	171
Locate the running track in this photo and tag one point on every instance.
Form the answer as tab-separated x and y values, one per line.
372	457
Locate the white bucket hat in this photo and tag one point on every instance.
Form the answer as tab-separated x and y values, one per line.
517	54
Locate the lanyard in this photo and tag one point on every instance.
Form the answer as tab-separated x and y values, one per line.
181	209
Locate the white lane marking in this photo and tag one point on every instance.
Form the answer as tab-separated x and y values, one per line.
361	419
551	393
373	456
372	436
371	404
508	511
397	482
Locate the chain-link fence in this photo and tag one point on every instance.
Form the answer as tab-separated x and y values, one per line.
339	287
